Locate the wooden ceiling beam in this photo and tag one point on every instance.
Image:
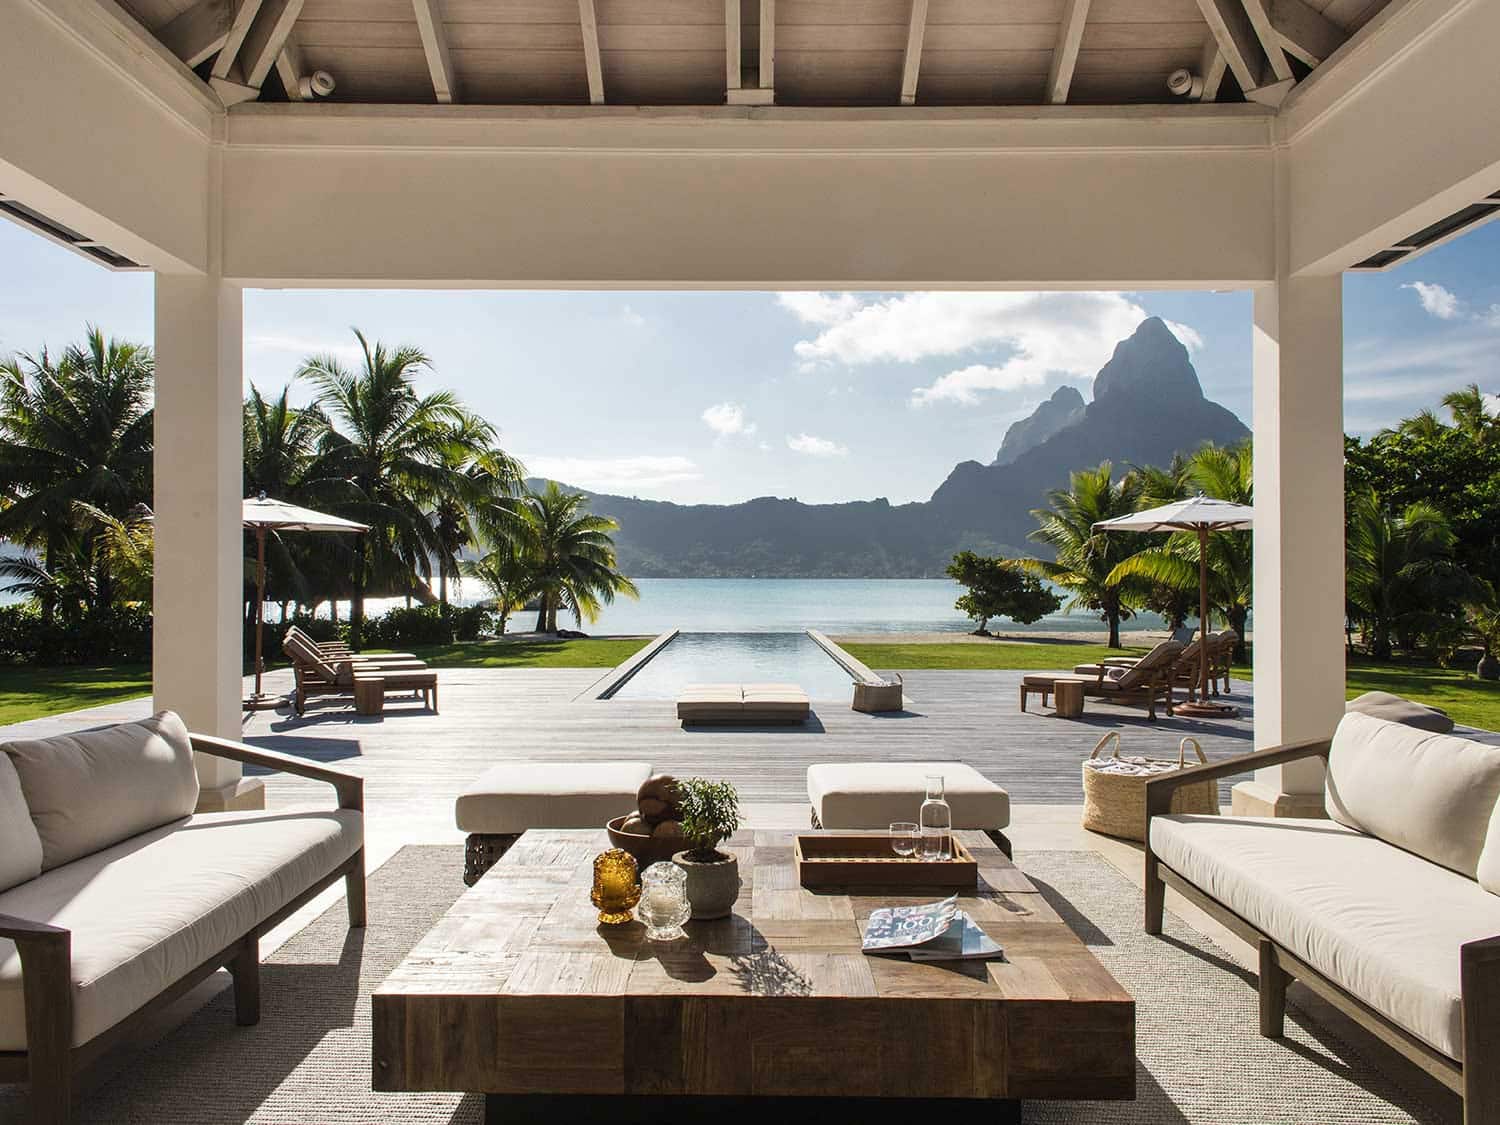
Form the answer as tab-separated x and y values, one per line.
435	46
196	34
1236	39
268	35
1259	12
1306	34
1065	54
290	69
916	31
1212	68
733	74
245	12
768	45
589	22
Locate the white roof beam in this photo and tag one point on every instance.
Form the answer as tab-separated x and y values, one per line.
1236	39
1065	54
268	35
916	31
760	88
244	15
290	69
1306	34
768	44
732	57
1212	68
1259	12
589	22
197	33
435	45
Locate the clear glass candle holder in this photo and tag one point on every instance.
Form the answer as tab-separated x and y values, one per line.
664	906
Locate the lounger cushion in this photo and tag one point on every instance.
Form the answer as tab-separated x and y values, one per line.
88	790
150	909
20	846
710	701
1397	709
875	794
1432	794
515	796
775	699
1382	923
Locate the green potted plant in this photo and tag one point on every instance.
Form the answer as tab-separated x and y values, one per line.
710	814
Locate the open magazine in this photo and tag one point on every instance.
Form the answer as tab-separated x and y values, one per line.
936	931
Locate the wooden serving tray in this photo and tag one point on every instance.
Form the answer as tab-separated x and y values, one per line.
830	861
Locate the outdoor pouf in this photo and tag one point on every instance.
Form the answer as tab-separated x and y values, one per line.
876	794
506	800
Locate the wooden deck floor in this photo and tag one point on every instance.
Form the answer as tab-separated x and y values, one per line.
411	757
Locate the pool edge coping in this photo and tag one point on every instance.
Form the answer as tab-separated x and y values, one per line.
616	678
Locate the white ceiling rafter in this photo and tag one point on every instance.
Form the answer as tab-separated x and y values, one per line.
434	35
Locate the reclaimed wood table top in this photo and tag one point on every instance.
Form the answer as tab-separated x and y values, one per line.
519	990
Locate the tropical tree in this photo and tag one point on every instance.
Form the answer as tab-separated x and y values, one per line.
571	553
494	482
400	452
1086	559
997	589
1400	575
1472	413
75	439
508	576
281	444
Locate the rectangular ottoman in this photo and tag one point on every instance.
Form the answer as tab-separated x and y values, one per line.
876	794
507	799
743	703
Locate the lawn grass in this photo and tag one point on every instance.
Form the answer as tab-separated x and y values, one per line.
1000	655
28	692
590	652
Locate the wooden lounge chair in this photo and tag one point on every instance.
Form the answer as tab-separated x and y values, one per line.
316	674
1144	683
338	650
1185	674
1221	658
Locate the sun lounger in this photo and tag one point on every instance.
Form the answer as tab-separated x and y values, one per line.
317	674
1144	683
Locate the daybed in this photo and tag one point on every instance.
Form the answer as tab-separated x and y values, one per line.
743	703
1390	910
116	898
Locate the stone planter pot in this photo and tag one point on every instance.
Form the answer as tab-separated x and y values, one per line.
712	887
1489	668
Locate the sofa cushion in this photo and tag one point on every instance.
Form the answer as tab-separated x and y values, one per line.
1432	794
98	787
149	910
1382	923
515	796
1398	709
875	794
20	846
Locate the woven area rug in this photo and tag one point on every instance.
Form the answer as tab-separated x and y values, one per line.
308	1061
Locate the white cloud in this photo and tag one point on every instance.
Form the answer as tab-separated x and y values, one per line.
607	474
1438	301
1191	339
1491	316
815	446
1048	335
632	318
346	350
728	419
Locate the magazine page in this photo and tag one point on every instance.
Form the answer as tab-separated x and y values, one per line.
901	927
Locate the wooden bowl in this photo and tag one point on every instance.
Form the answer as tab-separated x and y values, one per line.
646	849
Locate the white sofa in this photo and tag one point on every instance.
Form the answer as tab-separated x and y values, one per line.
1390	909
115	897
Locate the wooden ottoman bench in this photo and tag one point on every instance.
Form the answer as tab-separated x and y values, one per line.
877	794
743	703
507	799
370	687
1045	685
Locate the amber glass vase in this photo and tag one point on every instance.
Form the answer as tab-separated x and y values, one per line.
617	886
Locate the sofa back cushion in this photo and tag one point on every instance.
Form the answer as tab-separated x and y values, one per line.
1431	794
89	790
20	846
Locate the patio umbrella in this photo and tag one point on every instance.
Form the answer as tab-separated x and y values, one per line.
263	515
1203	515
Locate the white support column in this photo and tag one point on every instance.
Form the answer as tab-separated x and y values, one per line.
197	646
1299	535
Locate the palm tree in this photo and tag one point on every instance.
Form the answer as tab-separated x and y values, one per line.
509	577
78	431
398	450
281	443
493	482
571	553
1399	569
1471	412
1086	559
1225	474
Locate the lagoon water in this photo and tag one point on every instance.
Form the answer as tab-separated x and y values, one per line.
780	605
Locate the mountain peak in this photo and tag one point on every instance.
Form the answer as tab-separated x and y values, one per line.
1149	362
1063	407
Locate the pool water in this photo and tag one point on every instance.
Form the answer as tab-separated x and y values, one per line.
738	658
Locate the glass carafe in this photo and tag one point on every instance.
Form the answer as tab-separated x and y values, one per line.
936	820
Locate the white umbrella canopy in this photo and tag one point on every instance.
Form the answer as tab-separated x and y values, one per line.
1201	514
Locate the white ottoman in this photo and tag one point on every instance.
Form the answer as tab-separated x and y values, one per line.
505	801
875	794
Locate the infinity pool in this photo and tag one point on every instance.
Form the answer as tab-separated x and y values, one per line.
738	658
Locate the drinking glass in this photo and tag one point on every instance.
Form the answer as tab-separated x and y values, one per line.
904	838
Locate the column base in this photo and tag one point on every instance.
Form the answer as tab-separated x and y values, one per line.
1255	798
243	795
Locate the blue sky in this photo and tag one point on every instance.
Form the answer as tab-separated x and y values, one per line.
717	397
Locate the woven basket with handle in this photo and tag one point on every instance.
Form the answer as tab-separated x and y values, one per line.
1114	789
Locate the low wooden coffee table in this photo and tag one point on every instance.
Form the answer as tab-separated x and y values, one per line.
518	993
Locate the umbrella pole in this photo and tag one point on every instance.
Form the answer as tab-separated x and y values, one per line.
260	601
1203	614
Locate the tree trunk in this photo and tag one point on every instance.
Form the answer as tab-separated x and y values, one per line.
541	616
443	587
357	602
1236	618
1380	642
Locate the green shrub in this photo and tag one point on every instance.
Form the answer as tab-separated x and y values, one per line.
113	634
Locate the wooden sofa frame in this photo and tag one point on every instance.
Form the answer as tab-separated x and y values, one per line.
51	1062
1476	1079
